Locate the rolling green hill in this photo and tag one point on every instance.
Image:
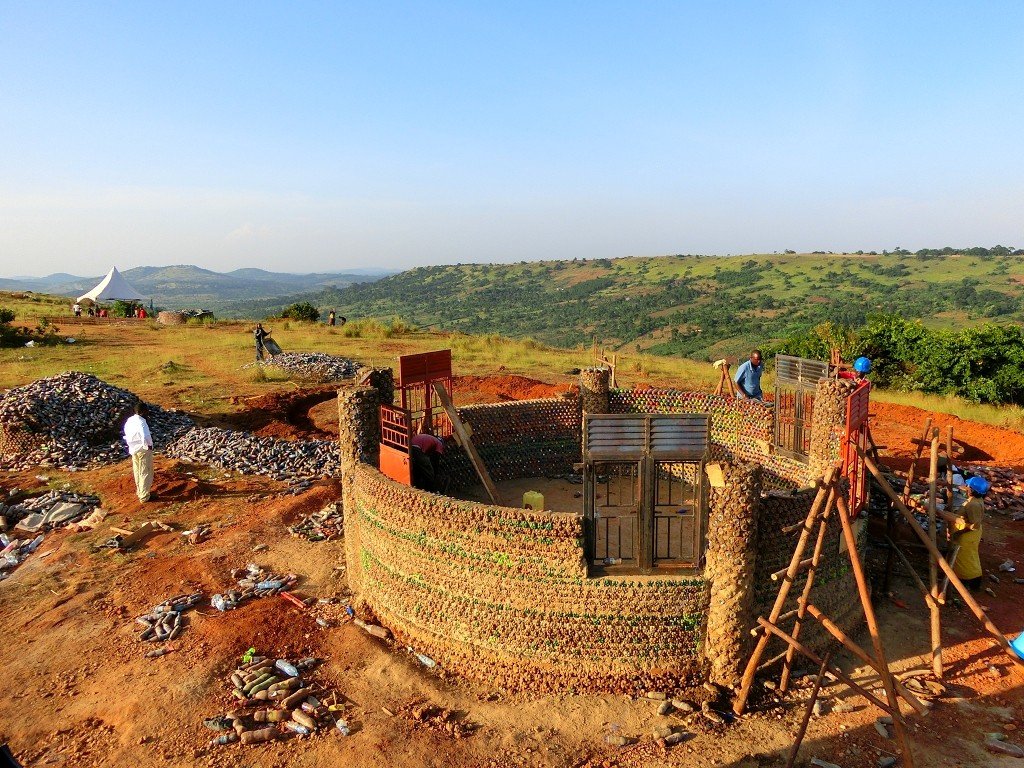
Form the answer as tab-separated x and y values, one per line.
697	306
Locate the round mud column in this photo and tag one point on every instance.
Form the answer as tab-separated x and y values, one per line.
731	557
594	390
383	380
829	424
358	441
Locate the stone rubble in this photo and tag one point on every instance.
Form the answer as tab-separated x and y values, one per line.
252	455
73	420
315	366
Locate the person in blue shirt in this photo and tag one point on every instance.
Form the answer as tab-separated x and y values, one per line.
748	376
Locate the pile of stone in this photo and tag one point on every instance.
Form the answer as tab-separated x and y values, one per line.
46	512
316	366
75	420
325	525
274	701
252	455
164	621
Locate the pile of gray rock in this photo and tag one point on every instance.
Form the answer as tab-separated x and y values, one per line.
74	420
249	454
315	366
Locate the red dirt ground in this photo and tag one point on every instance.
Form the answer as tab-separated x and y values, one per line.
82	693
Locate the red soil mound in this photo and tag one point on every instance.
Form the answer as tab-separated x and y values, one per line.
489	389
897	426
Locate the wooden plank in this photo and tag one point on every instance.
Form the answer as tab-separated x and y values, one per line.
462	436
935	617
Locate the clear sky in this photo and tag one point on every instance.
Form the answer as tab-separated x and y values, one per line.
322	136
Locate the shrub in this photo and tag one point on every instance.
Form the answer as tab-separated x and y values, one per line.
302	310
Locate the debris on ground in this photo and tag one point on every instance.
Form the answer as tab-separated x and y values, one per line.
46	512
274	700
317	367
73	420
125	538
252	455
198	534
437	718
325	525
165	621
253	582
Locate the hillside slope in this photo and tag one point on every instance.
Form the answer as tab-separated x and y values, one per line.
696	306
186	285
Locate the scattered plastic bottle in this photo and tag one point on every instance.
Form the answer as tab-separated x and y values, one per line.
299	728
34	544
222	603
287	667
613	561
426	661
270	584
342	726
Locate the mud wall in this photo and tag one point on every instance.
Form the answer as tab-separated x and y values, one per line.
528	438
501	595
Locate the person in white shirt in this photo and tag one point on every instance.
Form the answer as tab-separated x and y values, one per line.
140	446
76	308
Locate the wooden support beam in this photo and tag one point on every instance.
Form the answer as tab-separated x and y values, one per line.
965	593
462	435
876	638
933	570
823	494
773	630
809	711
910	570
804	565
833	629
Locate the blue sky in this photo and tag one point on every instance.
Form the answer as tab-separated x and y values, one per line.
325	136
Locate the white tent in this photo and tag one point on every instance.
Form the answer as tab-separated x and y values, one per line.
111	288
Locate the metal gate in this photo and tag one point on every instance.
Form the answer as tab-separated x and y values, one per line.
644	490
856	436
796	380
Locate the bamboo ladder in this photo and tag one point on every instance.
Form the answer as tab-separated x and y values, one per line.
827	500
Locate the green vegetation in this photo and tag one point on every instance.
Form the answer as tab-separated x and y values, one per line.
981	364
301	311
695	306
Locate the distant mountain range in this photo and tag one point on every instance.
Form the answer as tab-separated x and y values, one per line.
185	285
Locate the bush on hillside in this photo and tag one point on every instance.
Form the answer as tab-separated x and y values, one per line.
302	311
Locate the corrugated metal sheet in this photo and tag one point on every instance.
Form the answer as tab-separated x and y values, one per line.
632	436
799	370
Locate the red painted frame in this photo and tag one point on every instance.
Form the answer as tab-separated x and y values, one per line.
856	436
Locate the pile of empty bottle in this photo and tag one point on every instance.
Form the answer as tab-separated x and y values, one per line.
74	420
253	582
249	454
23	525
315	366
164	621
273	701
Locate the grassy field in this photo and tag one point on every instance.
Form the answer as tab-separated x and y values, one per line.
201	366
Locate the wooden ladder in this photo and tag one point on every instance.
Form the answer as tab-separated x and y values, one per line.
827	500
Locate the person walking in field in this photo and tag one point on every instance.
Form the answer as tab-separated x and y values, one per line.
748	376
260	336
330	318
140	447
76	308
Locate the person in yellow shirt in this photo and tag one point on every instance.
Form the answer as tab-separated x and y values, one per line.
965	529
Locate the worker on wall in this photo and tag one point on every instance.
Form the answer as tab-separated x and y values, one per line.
426	453
861	369
966	533
748	376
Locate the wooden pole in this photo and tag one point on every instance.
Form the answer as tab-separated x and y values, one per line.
876	639
824	492
913	464
949	468
910	570
809	711
774	630
958	585
933	569
808	585
833	629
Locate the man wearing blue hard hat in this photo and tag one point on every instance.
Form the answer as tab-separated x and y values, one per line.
861	369
966	533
